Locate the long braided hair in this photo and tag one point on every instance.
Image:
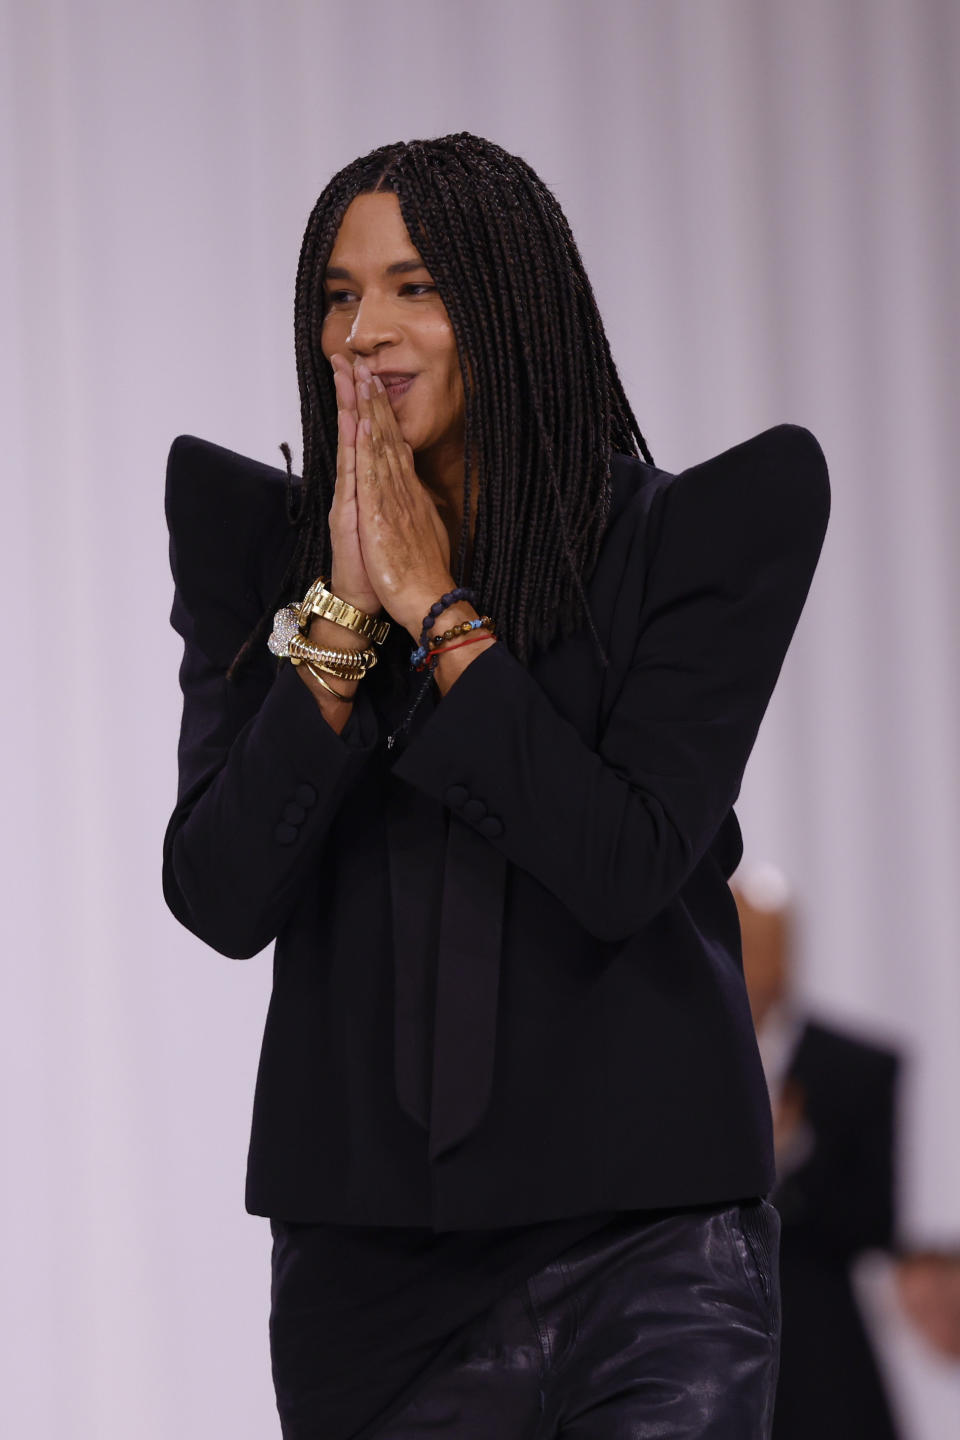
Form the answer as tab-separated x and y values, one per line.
544	406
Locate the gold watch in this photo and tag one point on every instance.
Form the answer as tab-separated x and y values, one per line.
321	601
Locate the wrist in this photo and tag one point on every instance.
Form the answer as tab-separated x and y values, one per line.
331	636
416	609
452	663
370	605
335	711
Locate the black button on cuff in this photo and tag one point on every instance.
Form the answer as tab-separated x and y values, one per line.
474	810
491	827
305	795
294	814
455	795
285	834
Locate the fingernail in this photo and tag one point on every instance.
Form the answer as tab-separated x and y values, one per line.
378	384
364	389
362	371
365	425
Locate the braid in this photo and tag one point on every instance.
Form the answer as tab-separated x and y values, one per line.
545	409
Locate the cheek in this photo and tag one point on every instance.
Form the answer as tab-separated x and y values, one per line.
333	334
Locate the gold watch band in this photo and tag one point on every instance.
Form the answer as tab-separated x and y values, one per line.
321	601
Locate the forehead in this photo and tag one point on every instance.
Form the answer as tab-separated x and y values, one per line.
372	232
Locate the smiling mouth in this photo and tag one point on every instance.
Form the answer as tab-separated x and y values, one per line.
397	386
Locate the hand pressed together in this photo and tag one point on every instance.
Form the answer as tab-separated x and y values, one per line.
390	544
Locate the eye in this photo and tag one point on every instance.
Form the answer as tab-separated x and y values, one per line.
339	297
418	287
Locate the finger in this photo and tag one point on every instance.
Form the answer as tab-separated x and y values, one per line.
386	439
384	413
346	489
368	477
347	427
373	440
361	387
346	395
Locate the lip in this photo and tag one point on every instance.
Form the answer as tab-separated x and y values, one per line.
395	382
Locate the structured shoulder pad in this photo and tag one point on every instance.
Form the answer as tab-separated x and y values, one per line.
769	495
750	519
229	541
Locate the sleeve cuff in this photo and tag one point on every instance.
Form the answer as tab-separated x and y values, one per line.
294	721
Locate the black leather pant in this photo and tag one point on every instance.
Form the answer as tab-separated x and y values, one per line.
667	1330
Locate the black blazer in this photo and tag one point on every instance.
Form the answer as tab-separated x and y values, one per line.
507	980
837	1204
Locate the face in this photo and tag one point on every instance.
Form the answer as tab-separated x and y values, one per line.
383	308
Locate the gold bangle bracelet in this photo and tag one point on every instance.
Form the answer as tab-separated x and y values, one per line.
329	688
349	664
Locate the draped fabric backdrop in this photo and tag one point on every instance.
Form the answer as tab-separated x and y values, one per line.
766	197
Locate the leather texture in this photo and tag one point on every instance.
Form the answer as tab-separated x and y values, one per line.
662	1330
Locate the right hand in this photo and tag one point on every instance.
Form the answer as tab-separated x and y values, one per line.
348	579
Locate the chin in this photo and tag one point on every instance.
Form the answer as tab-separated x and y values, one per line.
415	435
410	433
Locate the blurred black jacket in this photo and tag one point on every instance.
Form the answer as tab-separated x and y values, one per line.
835	1206
507	981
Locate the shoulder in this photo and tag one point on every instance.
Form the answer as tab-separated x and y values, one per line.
227	517
777	481
752	518
749	522
774	486
770	484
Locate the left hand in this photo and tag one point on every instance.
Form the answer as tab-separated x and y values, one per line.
404	542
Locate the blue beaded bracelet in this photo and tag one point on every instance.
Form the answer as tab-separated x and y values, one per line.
438	607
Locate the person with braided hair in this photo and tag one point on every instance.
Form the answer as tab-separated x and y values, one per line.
466	710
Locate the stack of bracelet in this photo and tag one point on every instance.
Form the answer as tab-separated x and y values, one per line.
288	638
427	654
341	664
421	657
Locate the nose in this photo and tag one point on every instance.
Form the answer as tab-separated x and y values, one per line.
373	326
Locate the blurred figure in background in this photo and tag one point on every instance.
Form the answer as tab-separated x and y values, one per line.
929	1285
833	1110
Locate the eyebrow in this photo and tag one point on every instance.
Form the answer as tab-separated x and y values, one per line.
399	267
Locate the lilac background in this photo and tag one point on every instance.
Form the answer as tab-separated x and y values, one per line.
766	197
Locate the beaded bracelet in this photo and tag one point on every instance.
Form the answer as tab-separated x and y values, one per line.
423	650
438	607
485	620
432	661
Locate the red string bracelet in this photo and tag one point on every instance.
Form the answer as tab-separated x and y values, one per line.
486	635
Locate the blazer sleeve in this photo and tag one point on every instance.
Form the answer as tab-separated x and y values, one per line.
262	774
732	545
